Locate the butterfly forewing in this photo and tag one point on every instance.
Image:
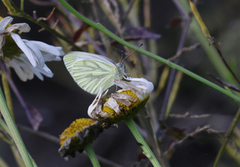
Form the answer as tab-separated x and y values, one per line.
91	71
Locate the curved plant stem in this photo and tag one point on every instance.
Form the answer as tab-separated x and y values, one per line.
149	54
14	132
146	150
92	155
229	133
14	10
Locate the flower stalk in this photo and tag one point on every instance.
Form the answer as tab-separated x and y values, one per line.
146	150
92	155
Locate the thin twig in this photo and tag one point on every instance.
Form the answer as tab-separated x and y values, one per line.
217	47
127	12
185	49
90	40
94	10
210	38
14	88
187	115
173	71
56	140
40	133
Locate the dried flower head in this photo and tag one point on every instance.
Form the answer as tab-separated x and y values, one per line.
81	132
26	57
123	104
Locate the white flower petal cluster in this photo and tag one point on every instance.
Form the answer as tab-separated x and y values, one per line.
34	53
140	87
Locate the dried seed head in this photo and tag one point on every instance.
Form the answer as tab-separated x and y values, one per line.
81	132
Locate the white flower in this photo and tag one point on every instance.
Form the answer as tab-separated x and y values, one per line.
140	86
123	104
26	57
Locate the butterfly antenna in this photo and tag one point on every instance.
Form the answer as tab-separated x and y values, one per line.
122	54
133	51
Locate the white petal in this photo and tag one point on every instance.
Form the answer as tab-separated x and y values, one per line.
17	69
112	103
49	57
95	102
37	54
4	23
140	86
36	70
60	50
57	59
48	48
26	66
142	83
22	27
45	68
24	48
28	73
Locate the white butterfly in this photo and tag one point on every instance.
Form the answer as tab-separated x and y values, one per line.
92	72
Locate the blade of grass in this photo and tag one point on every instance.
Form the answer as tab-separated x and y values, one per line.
210	50
173	93
7	93
209	37
228	137
14	132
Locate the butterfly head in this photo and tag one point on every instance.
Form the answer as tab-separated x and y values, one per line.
123	72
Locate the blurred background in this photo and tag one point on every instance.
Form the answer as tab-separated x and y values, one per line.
60	101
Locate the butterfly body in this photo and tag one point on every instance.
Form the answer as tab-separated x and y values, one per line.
92	71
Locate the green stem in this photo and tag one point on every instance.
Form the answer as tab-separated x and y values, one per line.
2	124
229	133
149	54
26	16
92	155
14	10
22	5
146	150
14	132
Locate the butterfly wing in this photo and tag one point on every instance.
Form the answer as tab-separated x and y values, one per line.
91	71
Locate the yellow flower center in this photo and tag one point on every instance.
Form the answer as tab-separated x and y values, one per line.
130	93
77	125
10	48
124	107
